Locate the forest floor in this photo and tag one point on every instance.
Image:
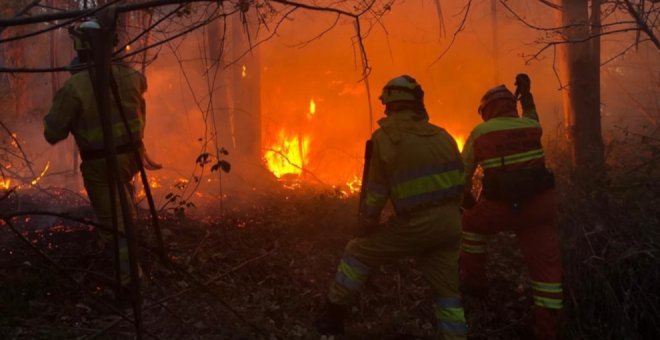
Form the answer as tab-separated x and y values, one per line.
262	269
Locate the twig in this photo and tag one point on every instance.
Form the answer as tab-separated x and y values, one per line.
296	165
642	24
20	148
210	280
460	28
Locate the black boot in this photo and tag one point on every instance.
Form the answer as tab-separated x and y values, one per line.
331	319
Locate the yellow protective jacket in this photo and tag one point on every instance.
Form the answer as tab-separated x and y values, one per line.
414	164
74	110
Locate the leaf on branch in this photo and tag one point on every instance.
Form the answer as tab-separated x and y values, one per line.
203	159
224	151
224	165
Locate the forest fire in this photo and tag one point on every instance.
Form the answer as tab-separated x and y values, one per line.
258	113
288	155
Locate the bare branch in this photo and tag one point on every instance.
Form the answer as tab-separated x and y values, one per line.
642	23
461	27
23	11
551	5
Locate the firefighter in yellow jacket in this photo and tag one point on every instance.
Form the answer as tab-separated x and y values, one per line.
417	167
74	111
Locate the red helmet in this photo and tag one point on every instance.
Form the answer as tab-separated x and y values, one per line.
499	92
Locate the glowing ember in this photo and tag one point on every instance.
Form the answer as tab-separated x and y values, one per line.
128	47
154	183
5	183
41	175
354	185
288	155
312	109
244	72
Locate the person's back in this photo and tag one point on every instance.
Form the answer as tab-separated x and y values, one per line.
421	160
74	110
417	167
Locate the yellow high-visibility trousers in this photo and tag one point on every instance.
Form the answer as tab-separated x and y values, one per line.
94	173
433	237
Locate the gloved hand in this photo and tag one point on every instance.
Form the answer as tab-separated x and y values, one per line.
523	84
366	226
523	91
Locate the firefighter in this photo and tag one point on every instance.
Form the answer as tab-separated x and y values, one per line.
417	167
517	194
74	111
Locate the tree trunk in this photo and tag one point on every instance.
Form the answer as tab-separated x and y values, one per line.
245	84
580	59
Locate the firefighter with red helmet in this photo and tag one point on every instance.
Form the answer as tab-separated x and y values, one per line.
517	194
74	111
417	167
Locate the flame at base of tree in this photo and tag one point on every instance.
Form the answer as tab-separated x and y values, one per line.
288	155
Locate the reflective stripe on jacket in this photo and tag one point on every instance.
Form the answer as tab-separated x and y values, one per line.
504	143
413	164
74	110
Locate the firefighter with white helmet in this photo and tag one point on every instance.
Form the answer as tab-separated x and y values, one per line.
417	167
74	111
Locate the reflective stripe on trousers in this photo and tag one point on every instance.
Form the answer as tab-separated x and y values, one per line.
450	315
351	273
547	294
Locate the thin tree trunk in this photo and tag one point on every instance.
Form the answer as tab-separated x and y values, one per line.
580	60
246	76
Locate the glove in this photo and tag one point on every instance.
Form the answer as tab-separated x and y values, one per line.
523	84
523	88
366	226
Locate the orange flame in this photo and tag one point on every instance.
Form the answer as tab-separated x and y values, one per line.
5	183
354	185
287	155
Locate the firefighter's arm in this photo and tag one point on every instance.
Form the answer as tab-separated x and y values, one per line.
470	166
66	107
524	95
377	191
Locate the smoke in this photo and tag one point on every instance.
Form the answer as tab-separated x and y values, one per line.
241	85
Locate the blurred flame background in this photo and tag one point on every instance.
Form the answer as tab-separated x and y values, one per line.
314	108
